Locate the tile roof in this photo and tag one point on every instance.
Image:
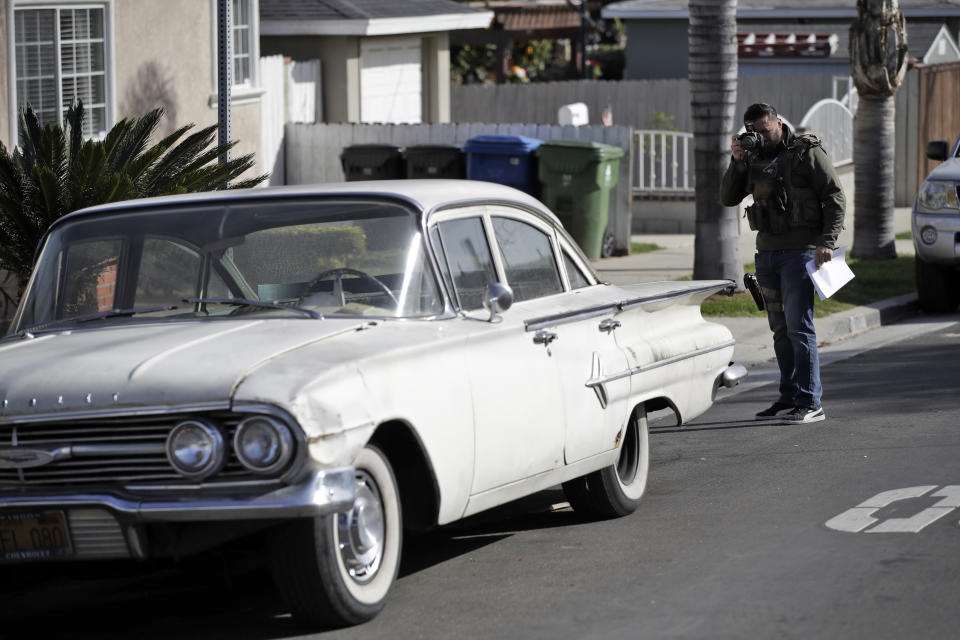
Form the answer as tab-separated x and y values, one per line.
537	18
786	45
920	36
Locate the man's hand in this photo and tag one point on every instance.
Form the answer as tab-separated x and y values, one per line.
736	149
822	255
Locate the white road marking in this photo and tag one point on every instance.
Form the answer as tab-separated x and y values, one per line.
861	516
951	500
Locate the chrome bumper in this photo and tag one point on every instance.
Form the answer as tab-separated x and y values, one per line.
946	248
732	376
322	492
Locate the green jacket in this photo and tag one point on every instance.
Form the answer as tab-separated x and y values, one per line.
812	172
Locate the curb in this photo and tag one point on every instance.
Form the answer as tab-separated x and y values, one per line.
854	321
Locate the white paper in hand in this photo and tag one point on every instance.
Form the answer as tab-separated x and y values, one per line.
832	275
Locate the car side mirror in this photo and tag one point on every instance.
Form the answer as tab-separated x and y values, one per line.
937	150
497	298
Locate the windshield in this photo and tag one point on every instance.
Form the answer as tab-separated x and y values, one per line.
294	258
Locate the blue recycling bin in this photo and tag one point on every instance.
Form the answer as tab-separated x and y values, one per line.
508	160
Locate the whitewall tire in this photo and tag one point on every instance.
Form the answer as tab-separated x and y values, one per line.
337	570
616	490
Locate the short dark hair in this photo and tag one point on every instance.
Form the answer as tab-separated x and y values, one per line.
757	111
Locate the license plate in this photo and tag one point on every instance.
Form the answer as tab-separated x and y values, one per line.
34	535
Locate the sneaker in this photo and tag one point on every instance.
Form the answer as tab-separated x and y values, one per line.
805	414
776	410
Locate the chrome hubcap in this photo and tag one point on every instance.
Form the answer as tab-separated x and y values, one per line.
362	531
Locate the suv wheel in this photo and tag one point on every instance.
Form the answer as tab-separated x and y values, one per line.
938	286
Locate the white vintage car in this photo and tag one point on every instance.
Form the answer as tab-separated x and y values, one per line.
328	366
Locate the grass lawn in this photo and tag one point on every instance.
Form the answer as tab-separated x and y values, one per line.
644	247
873	280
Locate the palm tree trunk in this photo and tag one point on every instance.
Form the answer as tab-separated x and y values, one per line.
713	96
873	157
878	50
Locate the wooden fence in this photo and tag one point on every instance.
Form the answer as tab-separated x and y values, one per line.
939	110
634	103
313	152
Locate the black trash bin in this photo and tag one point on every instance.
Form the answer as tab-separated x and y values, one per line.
435	161
372	162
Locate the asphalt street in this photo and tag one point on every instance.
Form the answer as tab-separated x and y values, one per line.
846	528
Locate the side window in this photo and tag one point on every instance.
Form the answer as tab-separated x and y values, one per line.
169	273
468	256
528	259
577	278
91	277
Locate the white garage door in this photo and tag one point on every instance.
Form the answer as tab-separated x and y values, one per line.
390	80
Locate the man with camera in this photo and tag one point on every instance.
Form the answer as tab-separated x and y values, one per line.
797	212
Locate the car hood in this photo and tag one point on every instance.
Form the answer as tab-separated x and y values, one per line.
149	365
947	170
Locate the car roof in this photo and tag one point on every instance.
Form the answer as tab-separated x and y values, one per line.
426	195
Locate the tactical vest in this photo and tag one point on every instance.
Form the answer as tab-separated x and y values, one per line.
778	205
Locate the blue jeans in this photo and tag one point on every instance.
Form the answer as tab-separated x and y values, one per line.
788	295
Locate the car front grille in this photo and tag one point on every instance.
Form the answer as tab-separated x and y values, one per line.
110	450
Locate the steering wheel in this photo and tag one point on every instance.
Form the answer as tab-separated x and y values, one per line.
313	286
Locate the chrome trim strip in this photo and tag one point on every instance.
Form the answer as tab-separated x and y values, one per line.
566	317
670	295
323	492
593	382
84	450
535	324
115	412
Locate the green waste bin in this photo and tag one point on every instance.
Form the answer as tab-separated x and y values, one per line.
576	179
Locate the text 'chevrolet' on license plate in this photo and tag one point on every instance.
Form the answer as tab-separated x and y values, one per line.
32	535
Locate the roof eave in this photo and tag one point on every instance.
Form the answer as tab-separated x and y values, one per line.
377	26
612	11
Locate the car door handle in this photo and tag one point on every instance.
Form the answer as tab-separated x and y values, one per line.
609	324
544	337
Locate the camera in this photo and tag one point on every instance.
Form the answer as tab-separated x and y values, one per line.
750	141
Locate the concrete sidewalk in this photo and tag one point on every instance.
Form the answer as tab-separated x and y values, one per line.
754	339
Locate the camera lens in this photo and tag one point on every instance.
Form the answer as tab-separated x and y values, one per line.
751	141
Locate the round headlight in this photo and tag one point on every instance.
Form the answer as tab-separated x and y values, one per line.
262	444
928	235
195	448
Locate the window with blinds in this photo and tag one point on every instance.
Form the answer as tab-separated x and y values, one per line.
60	58
241	42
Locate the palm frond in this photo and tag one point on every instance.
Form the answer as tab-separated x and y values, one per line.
55	171
134	141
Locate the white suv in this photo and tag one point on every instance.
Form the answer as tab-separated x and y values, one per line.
936	231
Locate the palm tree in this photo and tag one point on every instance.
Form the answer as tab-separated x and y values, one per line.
713	98
878	51
55	171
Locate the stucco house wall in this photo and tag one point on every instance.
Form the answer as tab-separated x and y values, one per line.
655	52
160	54
175	68
340	58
